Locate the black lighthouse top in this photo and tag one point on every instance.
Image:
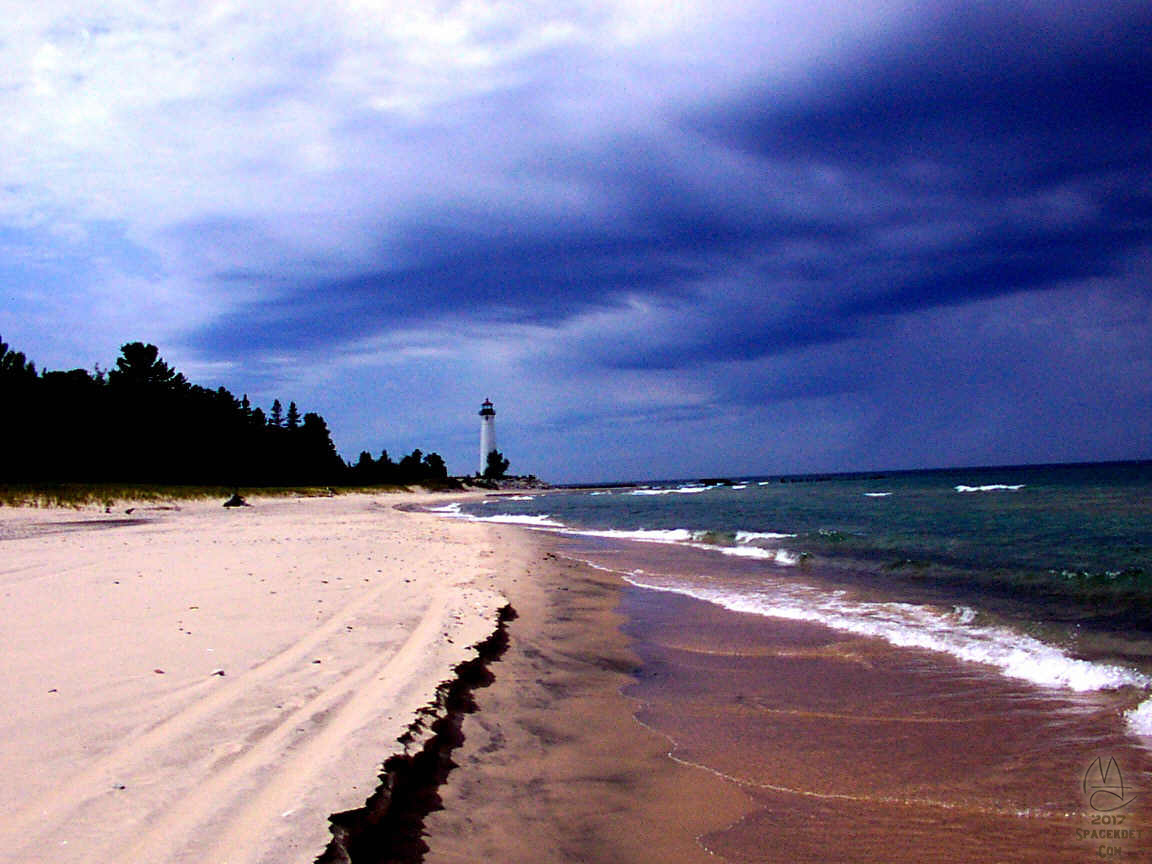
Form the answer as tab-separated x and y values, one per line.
486	410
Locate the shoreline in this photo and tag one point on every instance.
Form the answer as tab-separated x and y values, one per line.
555	766
856	750
211	685
201	684
739	736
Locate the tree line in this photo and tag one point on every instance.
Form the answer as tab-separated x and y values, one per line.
144	422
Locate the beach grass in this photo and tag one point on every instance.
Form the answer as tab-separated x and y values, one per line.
79	495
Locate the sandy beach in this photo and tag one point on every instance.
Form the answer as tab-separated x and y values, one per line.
210	685
201	684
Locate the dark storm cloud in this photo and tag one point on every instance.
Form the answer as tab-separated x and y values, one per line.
983	151
1006	260
663	240
511	282
1054	94
1025	135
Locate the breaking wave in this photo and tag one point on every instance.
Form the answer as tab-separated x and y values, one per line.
763	545
673	490
905	625
541	520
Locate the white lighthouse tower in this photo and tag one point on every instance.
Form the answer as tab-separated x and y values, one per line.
487	433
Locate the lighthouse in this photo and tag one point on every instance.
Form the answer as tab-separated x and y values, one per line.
487	433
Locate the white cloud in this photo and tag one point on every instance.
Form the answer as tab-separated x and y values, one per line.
169	164
165	113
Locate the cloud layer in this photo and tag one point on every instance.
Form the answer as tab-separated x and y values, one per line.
737	237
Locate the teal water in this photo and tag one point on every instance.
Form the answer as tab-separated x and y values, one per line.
1044	572
1065	542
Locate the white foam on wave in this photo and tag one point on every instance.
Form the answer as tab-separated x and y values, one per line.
905	625
877	494
678	490
783	556
666	535
743	551
542	520
744	547
779	556
965	614
697	540
1139	719
519	498
754	536
992	487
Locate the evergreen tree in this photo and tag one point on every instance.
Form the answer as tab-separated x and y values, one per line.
386	470
364	470
64	400
497	465
14	366
408	469
319	463
434	467
144	422
147	402
139	365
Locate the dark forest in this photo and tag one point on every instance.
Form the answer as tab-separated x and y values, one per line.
144	422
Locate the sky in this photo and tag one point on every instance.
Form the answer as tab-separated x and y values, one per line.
666	239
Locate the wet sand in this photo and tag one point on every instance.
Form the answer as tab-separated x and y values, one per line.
554	766
855	751
629	725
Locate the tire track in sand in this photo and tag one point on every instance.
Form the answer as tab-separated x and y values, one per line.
290	751
42	815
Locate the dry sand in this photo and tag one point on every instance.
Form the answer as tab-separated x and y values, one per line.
209	685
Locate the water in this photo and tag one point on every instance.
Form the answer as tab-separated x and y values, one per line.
1043	573
919	666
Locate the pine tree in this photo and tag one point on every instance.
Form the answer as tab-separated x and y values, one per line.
13	364
497	465
434	467
139	365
